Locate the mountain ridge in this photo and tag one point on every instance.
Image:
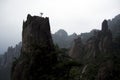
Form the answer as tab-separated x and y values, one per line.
69	41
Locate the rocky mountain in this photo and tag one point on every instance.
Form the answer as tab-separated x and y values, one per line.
39	59
9	56
114	31
37	44
98	42
97	51
62	39
98	55
7	60
101	42
87	35
114	25
76	52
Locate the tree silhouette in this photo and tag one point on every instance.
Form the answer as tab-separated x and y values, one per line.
41	14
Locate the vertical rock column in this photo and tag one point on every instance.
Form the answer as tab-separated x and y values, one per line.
36	31
36	59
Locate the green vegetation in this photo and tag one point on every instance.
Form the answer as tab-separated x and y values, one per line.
56	65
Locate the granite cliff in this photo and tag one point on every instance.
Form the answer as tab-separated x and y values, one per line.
12	54
77	49
39	58
37	46
99	42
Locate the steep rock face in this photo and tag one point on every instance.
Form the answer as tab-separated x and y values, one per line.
88	46
37	46
86	36
7	59
114	25
9	56
91	53
91	46
76	51
100	42
105	44
36	30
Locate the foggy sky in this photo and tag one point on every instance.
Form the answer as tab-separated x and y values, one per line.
72	15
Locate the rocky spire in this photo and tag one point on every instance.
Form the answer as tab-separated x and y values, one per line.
104	26
105	44
36	57
36	30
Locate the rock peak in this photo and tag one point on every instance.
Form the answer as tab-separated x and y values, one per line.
105	26
37	44
62	33
36	30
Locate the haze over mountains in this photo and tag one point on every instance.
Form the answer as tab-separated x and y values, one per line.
75	43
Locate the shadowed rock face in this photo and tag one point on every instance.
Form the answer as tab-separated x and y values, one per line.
100	42
7	60
36	30
76	51
104	26
36	57
105	43
114	26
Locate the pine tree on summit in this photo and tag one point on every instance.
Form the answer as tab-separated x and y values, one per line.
41	14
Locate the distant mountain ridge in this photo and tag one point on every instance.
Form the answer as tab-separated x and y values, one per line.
62	39
7	59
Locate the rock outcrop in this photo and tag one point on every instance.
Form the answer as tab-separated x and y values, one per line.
100	42
114	26
77	49
36	30
87	35
36	57
7	59
97	47
11	54
105	44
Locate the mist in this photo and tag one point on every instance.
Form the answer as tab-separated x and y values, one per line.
72	15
